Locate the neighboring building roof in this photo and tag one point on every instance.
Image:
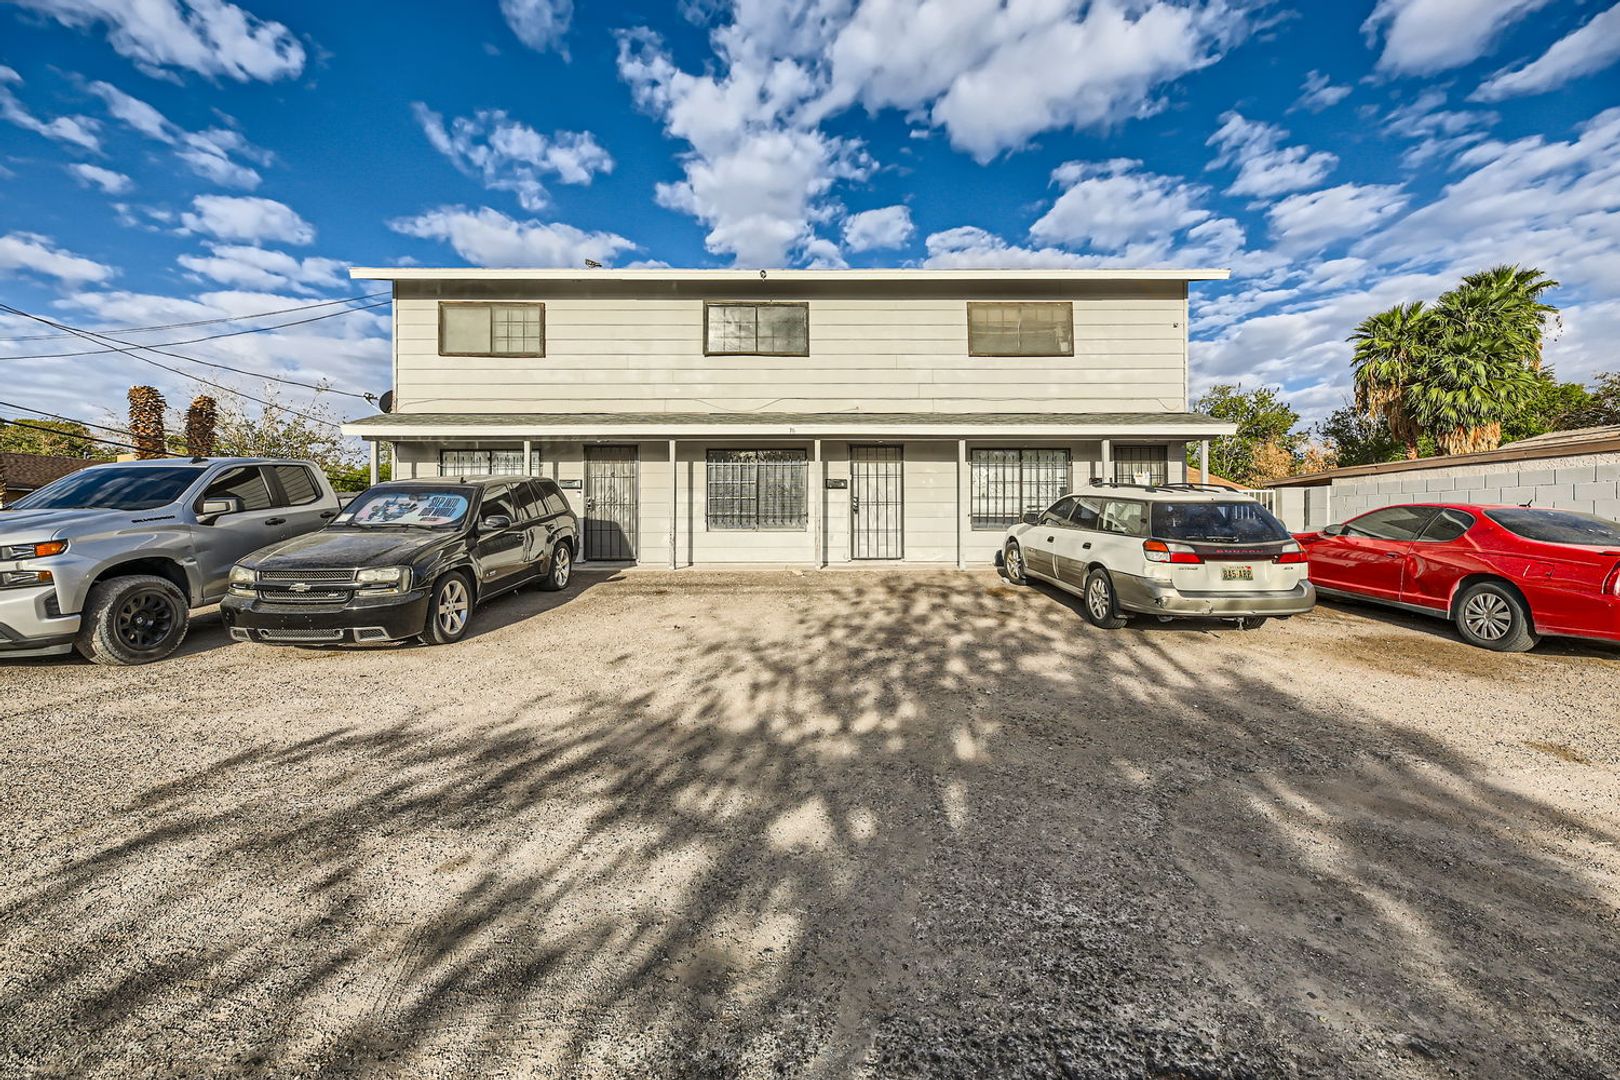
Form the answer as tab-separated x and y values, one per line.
1562	438
777	425
1603	440
25	472
1196	476
552	273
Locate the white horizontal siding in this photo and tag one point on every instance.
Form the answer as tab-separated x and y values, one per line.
876	355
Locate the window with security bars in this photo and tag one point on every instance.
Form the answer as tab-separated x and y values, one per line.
1005	483
1044	328
492	329
487	463
756	329
757	490
1146	465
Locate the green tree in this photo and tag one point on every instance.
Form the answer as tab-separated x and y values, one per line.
308	432
1602	406
1390	350
1265	446
1460	371
1553	406
57	438
1358	440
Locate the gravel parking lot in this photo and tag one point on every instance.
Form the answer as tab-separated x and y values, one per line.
828	824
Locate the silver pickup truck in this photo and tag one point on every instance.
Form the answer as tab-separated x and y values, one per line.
111	559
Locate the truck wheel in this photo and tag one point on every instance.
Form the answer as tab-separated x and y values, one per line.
449	610
132	620
562	566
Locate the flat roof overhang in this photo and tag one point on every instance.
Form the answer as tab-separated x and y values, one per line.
440	426
556	274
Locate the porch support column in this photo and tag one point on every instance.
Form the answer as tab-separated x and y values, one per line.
818	508
674	492
528	457
962	499
1108	461
376	460
1203	461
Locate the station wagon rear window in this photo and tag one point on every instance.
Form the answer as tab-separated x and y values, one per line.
429	508
1216	523
1557	526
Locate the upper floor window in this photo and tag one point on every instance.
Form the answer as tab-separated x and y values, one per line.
1044	328
770	329
492	329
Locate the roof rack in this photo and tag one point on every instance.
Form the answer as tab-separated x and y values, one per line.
1190	486
1178	486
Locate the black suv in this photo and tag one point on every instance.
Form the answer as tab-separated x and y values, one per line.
405	559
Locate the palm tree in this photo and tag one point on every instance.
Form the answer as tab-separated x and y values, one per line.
1485	351
1390	351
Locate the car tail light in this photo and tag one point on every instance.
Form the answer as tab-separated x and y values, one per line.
1611	584
1161	552
1291	553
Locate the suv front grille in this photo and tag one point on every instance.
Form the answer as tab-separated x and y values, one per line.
306	575
314	596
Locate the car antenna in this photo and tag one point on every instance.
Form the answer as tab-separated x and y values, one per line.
1526	504
197	459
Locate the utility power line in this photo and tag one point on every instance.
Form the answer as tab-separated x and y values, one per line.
67	434
205	322
208	337
130	350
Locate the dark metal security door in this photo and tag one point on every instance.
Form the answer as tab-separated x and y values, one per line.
876	503
612	502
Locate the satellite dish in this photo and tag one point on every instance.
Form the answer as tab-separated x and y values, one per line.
386	402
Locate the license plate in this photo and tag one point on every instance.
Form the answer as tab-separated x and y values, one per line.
1237	573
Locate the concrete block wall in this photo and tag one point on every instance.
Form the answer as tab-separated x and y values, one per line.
1589	484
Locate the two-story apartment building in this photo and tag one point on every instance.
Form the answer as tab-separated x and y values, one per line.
804	417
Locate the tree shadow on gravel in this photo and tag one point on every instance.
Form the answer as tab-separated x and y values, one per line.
886	825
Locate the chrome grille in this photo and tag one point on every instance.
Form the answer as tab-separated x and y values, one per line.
306	575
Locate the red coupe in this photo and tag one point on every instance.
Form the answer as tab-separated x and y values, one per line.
1505	575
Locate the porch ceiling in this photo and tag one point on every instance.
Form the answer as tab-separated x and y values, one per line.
664	425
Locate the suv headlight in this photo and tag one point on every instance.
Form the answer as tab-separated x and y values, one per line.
384	579
42	550
243	577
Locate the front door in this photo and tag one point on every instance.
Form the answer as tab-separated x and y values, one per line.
612	503
876	503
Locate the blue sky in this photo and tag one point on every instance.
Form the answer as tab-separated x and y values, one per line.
187	160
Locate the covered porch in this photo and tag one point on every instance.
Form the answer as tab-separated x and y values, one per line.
818	490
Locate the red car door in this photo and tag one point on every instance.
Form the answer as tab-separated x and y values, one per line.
1369	556
1443	554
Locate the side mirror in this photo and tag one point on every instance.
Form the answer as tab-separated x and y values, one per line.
1333	530
215	508
495	523
1032	517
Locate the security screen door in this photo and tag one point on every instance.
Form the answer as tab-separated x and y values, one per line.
611	502
876	503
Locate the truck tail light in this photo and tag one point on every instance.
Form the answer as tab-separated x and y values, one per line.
1160	552
1292	553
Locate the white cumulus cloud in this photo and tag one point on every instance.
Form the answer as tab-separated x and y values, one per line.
246	218
509	155
539	24
1319	92
109	181
871	230
1266	167
1588	49
1313	220
486	237
38	254
250	267
1422	37
211	153
80	131
209	37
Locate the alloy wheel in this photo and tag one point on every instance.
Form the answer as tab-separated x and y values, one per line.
452	607
144	620
562	564
1488	616
1097	598
1015	563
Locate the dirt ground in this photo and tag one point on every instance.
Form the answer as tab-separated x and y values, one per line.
834	824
